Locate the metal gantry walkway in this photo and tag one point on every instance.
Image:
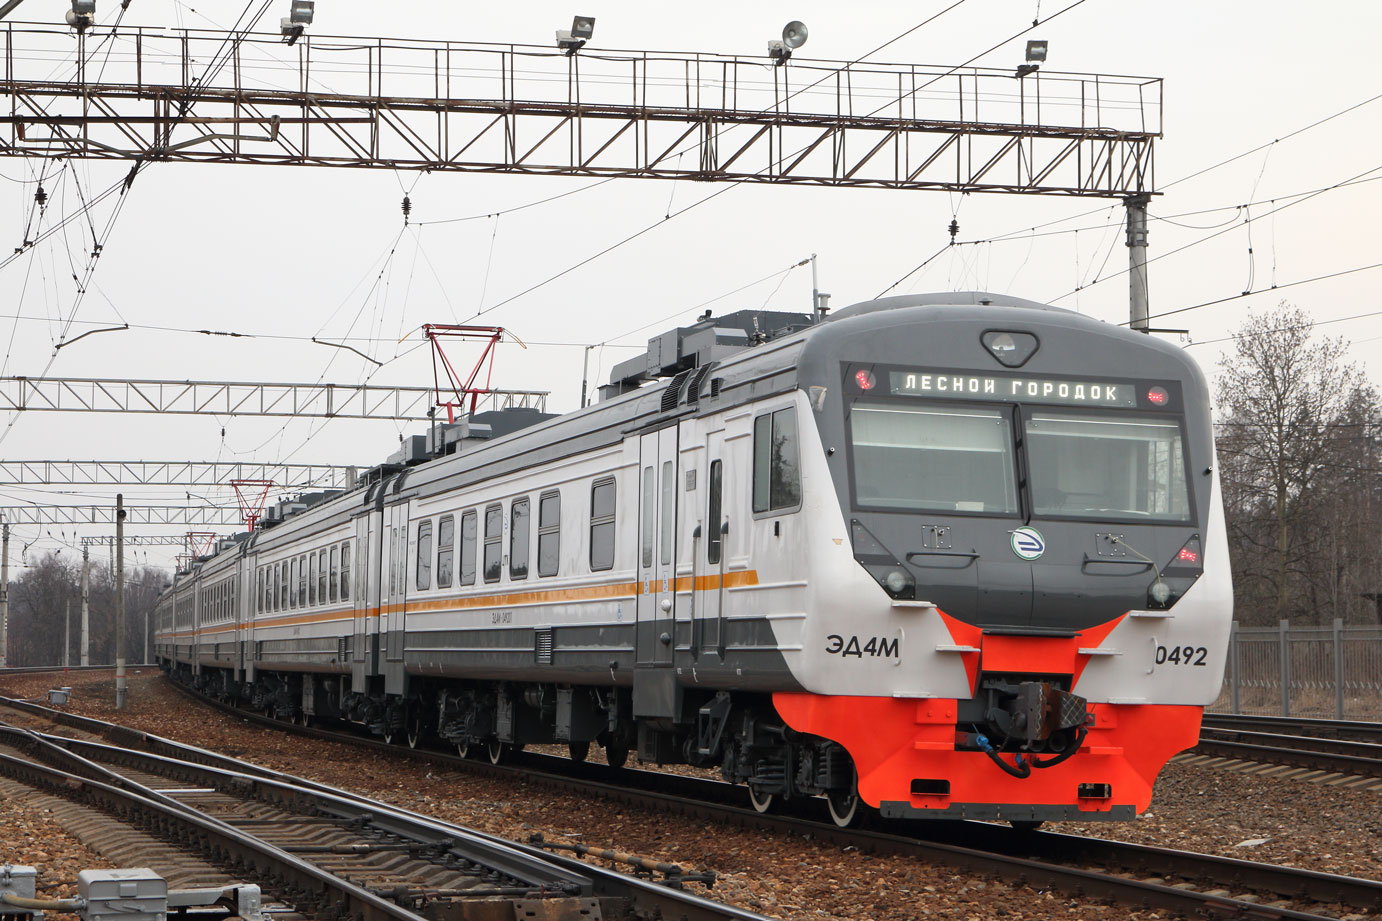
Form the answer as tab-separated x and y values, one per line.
427	105
171	473
239	398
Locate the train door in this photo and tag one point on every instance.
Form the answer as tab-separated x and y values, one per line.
394	575
657	534
365	592
654	681
711	553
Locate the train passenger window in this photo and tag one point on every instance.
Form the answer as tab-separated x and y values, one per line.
312	579
602	525
649	498
302	580
446	539
335	569
345	570
259	590
424	555
776	474
392	535
468	522
494	533
714	540
293	583
669	510
520	523
283	587
321	577
548	533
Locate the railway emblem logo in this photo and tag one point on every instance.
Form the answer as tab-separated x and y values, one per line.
1028	543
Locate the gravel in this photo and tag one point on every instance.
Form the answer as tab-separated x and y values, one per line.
1216	810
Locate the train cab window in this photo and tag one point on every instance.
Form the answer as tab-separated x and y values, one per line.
1095	465
302	580
669	510
646	525
335	569
940	458
714	540
468	542
602	525
312	579
321	576
776	472
423	579
494	535
345	570
259	590
520	524
548	533
446	539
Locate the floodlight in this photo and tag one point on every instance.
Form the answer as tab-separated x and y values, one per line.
793	37
571	40
794	34
298	19
1036	50
82	16
582	26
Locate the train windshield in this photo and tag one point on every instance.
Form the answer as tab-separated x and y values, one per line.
1104	465
937	458
1085	463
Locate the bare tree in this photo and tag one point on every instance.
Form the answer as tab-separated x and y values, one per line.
1294	416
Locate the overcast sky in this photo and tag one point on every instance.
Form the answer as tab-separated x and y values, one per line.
305	252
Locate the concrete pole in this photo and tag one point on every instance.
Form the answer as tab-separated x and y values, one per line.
1139	299
67	635
5	597
119	601
86	601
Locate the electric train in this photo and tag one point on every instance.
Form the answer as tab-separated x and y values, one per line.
938	556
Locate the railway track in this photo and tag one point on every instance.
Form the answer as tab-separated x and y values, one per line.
324	852
1357	730
1328	746
1187	883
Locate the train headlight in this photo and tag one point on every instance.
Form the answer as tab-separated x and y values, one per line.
1160	592
898	581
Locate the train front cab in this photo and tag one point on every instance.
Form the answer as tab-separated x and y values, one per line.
1050	550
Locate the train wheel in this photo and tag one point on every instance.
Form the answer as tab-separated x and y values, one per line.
498	751
415	730
579	750
463	747
844	804
616	755
761	802
844	807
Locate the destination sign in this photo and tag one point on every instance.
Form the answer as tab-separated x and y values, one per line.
957	385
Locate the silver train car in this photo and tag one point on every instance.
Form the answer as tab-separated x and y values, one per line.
939	556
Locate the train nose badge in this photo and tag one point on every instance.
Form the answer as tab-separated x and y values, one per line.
1028	543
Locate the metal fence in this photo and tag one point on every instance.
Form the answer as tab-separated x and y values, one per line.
1332	672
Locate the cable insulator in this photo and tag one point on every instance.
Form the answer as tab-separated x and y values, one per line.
41	197
954	229
407	208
